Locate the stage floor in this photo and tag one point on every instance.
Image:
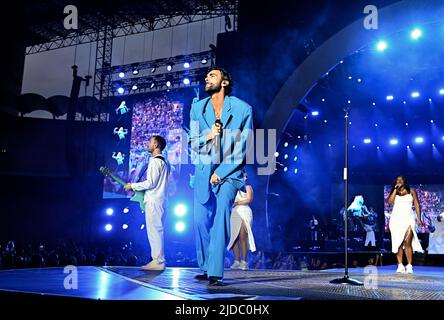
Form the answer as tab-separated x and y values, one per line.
131	283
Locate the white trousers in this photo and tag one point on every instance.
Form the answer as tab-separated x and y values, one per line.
370	238
154	218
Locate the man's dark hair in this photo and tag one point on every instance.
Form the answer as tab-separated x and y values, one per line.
225	76
160	142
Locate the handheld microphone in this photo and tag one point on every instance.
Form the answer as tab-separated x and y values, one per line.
217	138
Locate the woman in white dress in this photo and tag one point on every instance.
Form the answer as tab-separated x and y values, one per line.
241	235
402	223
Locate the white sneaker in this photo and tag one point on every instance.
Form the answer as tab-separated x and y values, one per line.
236	265
409	269
400	269
244	265
154	265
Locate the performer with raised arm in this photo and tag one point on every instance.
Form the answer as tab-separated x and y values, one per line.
402	223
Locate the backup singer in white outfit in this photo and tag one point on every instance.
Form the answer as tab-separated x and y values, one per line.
155	187
241	234
402	223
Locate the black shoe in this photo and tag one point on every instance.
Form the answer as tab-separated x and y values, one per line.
215	282
201	277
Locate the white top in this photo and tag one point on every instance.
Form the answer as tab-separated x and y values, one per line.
156	183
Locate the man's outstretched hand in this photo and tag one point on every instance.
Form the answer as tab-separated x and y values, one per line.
127	187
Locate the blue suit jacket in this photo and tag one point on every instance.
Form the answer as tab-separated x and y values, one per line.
236	116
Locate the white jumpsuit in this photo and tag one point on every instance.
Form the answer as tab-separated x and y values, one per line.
155	187
401	219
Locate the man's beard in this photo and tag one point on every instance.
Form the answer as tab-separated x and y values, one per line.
213	89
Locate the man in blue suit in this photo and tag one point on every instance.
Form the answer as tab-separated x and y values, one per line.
221	131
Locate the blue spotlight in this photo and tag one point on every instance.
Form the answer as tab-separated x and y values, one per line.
415	94
374	103
125	210
295	146
142	227
389	98
169	67
394	142
120	90
376	125
135	72
367	140
416	34
186	65
350	77
323	100
168	84
134	87
295	171
108	227
419	139
121	74
381	45
180	227
315	113
359	80
276	154
329	145
285	169
441	91
295	158
110	211
180	210
286	144
407	124
124	226
286	156
186	81
431	121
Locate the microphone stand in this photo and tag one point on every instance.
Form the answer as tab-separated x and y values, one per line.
346	279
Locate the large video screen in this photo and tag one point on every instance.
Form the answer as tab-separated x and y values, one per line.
146	116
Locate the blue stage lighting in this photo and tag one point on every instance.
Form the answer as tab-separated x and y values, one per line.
406	123
359	80
285	169
315	113
125	210
431	121
381	45
389	98
121	74
135	72
186	65
376	125
168	84
394	142
415	94
169	67
367	140
416	34
110	211
108	227
276	154
186	81
134	87
180	226
286	144
295	158
295	171
142	227
323	100
286	156
374	103
350	77
180	210
329	145
419	139
124	226
441	91
120	90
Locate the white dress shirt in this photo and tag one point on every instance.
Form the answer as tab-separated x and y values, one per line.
156	183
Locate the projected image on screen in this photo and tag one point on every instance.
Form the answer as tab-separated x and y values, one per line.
432	207
153	115
156	116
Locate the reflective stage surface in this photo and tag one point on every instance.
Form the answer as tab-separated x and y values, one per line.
131	283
